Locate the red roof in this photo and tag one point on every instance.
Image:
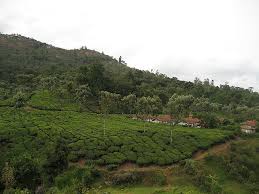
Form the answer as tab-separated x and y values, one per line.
191	120
251	123
164	118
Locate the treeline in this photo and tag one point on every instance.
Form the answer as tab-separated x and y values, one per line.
81	74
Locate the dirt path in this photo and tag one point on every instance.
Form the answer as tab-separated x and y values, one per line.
219	149
214	150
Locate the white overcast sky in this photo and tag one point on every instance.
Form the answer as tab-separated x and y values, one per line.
216	39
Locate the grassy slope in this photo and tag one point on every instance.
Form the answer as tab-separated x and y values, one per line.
230	185
180	183
36	131
45	100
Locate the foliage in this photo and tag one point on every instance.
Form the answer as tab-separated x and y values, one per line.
27	172
57	161
208	120
8	178
242	163
149	105
46	100
81	177
82	137
129	103
19	99
83	93
180	105
201	177
109	102
16	191
127	178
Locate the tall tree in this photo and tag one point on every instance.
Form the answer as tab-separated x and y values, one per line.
83	93
179	106
129	103
109	102
94	76
57	160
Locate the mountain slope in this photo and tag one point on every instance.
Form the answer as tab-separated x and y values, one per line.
25	58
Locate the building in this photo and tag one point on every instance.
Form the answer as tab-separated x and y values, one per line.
167	119
248	127
164	119
191	122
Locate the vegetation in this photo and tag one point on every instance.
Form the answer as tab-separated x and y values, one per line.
77	76
241	163
60	108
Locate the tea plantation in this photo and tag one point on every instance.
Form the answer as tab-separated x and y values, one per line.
35	131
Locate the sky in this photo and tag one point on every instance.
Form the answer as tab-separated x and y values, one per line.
215	39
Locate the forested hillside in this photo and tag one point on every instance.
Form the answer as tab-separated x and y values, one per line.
70	118
27	65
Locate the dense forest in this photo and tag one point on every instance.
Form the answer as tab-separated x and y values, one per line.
80	75
61	108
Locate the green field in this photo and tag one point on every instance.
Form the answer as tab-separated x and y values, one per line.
36	132
43	99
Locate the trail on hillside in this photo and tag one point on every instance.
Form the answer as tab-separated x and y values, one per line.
214	150
219	149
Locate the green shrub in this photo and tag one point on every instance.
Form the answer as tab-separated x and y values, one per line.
17	191
191	167
27	173
79	176
126	178
156	178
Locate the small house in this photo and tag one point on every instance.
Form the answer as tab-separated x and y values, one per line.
164	119
248	127
156	119
192	122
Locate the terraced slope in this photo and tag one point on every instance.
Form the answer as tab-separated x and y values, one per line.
36	132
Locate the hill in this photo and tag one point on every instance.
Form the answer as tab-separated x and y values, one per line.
71	120
25	61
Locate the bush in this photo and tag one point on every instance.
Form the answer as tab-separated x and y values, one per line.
202	178
156	178
78	176
191	167
27	173
125	178
57	161
17	191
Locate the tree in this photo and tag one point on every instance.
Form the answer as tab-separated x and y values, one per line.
209	120
27	173
109	102
156	105
129	103
94	76
56	161
143	105
8	176
19	99
179	106
121	61
83	93
149	105
201	105
49	82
